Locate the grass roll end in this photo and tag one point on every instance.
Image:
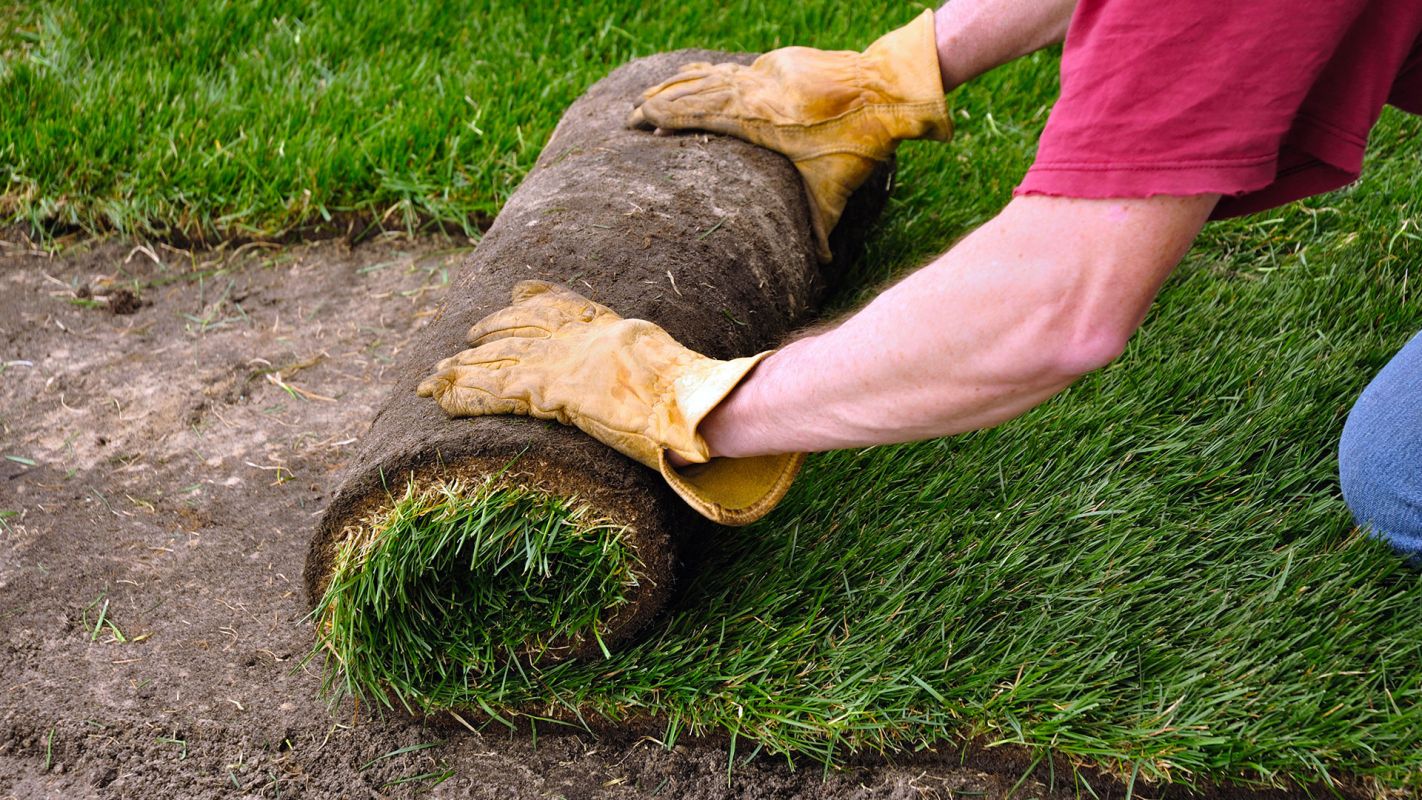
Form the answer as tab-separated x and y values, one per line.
457	581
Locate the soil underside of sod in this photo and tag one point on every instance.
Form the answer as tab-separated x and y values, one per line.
153	614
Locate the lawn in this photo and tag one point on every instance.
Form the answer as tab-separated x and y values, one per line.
1153	571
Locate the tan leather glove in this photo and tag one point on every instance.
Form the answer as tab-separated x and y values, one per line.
554	354
834	114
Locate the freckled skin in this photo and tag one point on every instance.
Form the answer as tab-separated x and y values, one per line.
1047	291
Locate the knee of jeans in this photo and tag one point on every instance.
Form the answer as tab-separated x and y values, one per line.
1384	495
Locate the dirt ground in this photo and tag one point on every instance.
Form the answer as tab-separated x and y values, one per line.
163	459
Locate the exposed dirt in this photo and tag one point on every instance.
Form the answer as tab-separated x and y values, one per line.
162	471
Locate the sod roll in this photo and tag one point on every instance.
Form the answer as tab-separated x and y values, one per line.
454	544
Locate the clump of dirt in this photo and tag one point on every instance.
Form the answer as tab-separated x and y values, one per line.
118	300
124	301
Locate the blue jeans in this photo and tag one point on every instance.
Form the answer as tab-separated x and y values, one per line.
1380	455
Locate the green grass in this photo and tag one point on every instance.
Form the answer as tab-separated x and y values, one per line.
255	117
1154	571
457	582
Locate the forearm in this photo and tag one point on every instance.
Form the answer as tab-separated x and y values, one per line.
975	36
1047	291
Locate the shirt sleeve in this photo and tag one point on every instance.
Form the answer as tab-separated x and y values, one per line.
1182	98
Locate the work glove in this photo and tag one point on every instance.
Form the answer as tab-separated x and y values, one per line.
554	354
834	114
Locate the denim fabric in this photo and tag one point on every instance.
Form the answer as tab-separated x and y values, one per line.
1380	455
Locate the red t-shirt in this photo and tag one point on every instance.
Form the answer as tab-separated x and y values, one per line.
1263	102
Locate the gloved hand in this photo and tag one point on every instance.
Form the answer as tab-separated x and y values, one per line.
554	354
834	114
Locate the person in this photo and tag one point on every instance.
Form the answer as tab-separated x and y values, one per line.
1170	115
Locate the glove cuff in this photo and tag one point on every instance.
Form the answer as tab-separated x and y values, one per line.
907	61
703	386
729	491
734	491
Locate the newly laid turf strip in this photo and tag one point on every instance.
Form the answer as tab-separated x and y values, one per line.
454	580
1153	570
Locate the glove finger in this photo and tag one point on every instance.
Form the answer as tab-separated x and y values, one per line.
545	291
527	290
636	118
540	310
688	72
707	111
713	89
684	72
480	379
432	386
467	393
521	320
712	95
496	355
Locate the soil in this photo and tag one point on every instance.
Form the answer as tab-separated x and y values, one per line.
161	472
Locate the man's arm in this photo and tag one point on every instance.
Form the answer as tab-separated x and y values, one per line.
1050	289
975	36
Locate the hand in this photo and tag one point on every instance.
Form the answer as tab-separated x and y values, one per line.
554	354
834	114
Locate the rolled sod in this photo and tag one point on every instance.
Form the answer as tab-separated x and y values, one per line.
456	547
